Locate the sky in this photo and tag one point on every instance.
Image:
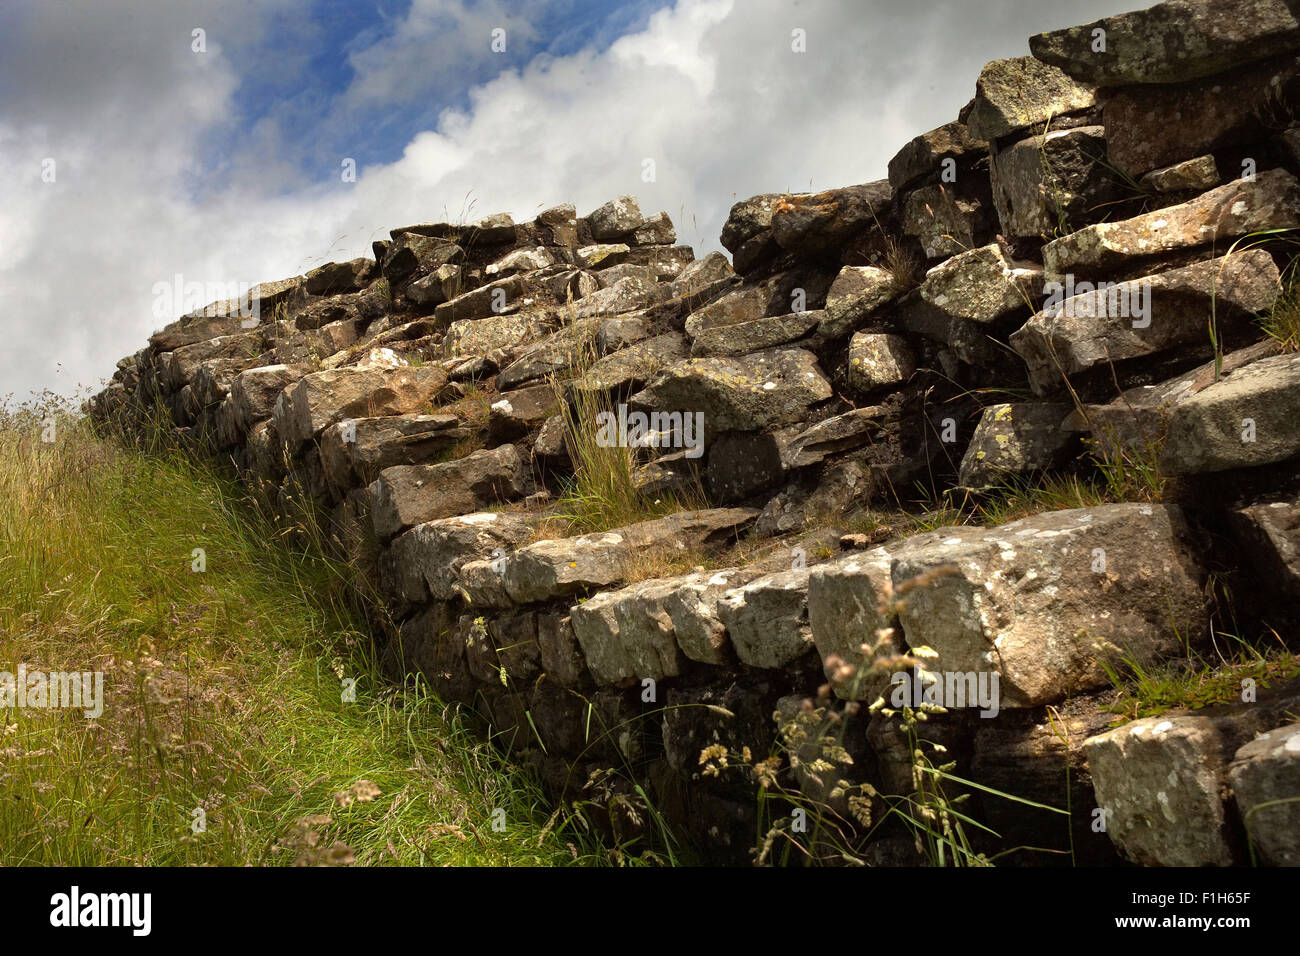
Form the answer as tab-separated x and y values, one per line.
142	140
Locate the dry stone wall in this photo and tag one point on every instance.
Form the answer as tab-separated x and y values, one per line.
1081	259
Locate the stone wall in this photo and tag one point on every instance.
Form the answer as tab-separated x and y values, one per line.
1030	291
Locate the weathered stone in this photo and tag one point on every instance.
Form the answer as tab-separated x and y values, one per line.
847	608
748	218
481	584
556	353
924	157
407	495
477	336
1054	182
982	284
630	368
879	360
1159	782
184	362
571	286
742	463
1272	201
664	262
561	656
1199	174
1265	780
490	230
1290	141
567	566
432	644
767	619
754	253
625	295
504	651
743	337
1013	440
1268	534
856	293
966	340
1106	325
1136	421
692	607
514	414
656	231
740	394
608	277
320	399
832	436
743	305
1045	600
701	274
412	256
491	299
616	218
1152	126
336	277
1172	42
521	260
820	223
602	255
356	450
1013	95
944	222
1246	419
627	634
431	554
439	286
840	488
552	439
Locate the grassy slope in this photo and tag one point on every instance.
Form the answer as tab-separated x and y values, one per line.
222	690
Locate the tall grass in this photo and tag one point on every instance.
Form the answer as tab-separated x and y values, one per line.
226	737
603	491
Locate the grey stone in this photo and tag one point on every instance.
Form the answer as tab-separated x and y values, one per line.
616	218
767	619
1272	201
1106	326
1265	780
1043	601
1015	94
1011	440
1159	782
878	360
982	284
1172	42
1053	183
407	495
745	393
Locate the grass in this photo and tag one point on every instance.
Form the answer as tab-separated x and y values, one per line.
603	491
227	736
1282	324
1195	682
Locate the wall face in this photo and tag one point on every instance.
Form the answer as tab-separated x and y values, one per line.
1027	295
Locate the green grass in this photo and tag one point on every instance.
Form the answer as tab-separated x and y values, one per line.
223	689
1195	681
